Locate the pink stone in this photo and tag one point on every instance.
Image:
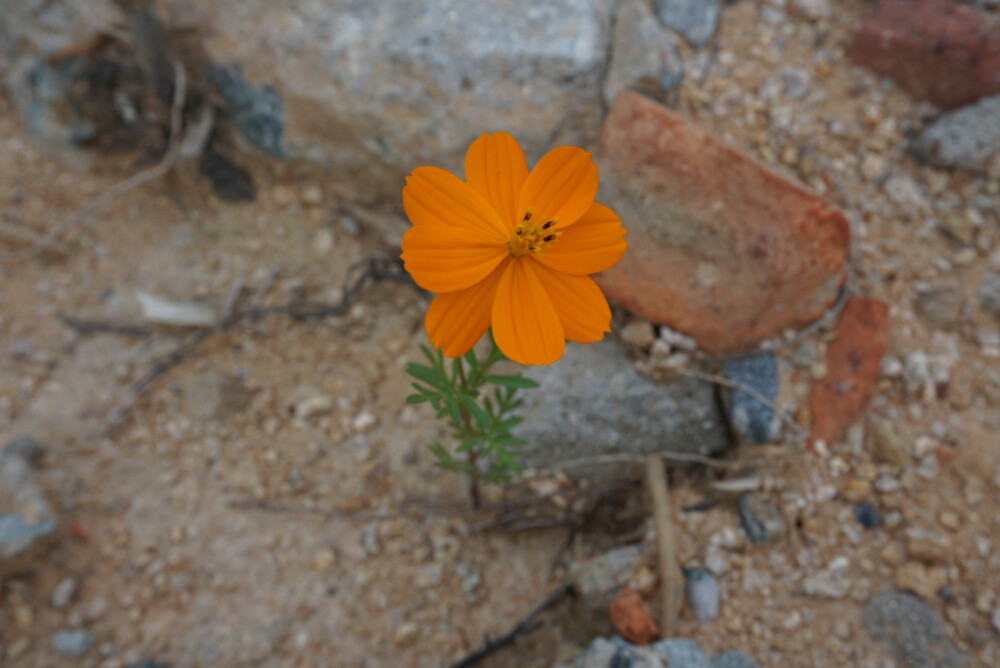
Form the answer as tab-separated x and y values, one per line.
720	247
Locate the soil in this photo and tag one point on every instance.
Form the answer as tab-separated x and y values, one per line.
259	536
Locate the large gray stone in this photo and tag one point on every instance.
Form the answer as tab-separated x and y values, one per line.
643	54
911	630
604	653
27	520
967	137
593	402
373	89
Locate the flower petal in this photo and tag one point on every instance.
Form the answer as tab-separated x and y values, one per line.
457	320
582	307
591	244
433	196
442	258
525	323
562	185
495	168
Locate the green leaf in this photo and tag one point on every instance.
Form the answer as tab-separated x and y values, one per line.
426	374
417	399
453	410
512	382
509	441
467	444
478	414
509	424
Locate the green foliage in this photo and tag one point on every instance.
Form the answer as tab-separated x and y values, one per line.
480	408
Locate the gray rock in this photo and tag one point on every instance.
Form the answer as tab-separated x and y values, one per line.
733	659
63	593
642	52
257	113
995	618
697	20
597	579
939	306
213	395
754	528
371	89
681	653
701	591
967	137
27	520
593	402
988	292
615	653
911	631
73	642
751	418
26	448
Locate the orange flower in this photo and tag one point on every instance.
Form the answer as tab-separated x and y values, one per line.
511	249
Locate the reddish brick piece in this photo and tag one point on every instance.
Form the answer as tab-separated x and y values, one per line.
936	50
852	362
720	246
632	618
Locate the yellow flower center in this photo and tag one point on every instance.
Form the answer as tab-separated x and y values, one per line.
530	236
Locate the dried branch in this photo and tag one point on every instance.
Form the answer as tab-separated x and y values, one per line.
671	579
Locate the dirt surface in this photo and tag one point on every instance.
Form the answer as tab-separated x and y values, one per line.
303	524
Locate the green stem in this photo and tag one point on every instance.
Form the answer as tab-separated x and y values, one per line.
463	386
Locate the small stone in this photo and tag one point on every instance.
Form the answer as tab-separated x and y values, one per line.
63	593
988	293
885	443
967	137
995	618
853	359
369	539
27	519
929	548
866	515
697	20
950	520
752	418
831	582
924	581
887	484
911	631
283	195
733	659
855	490
632	617
638	333
26	448
312	194
814	10
701	590
643	54
939	307
890	367
679	652
893	554
599	578
314	406
405	634
73	642
364	421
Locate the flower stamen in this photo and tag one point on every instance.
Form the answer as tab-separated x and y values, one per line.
529	237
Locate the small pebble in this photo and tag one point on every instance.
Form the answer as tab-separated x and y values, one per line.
995	618
866	515
406	634
63	593
702	592
73	642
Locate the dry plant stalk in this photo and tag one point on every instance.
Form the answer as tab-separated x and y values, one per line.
671	578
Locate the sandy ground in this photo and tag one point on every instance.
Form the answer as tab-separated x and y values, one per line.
262	537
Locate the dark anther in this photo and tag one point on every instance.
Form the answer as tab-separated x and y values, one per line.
527	216
550	237
548	224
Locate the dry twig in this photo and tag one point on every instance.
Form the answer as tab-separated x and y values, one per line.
671	579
